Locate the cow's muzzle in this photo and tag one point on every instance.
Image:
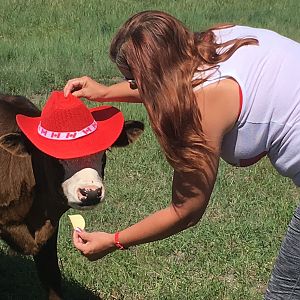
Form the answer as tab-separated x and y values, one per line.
89	196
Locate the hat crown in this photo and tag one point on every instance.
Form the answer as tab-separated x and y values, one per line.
63	114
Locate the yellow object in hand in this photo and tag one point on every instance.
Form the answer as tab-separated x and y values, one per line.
77	221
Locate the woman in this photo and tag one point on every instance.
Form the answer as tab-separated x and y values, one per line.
207	95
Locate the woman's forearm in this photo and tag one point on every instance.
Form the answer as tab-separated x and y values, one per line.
120	92
157	226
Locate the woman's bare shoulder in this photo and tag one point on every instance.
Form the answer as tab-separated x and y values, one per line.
219	105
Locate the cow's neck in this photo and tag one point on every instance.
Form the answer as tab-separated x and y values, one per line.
48	202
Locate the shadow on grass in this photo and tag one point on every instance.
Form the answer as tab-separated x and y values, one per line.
19	280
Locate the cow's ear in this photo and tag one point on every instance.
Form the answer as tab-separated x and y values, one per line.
130	133
14	143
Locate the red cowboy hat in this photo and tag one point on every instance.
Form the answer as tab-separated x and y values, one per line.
68	129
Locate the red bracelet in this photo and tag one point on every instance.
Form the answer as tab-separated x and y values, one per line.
117	242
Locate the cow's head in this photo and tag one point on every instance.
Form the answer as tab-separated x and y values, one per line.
83	183
81	179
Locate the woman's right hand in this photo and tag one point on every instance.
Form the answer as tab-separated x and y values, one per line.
93	245
85	87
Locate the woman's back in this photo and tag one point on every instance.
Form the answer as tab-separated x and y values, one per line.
270	111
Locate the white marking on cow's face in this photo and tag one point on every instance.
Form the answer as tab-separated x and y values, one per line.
83	184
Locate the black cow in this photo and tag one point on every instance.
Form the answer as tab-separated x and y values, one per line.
37	189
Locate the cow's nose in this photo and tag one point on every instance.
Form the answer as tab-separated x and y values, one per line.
89	196
90	193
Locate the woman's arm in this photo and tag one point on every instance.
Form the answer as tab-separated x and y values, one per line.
121	92
88	88
191	193
190	196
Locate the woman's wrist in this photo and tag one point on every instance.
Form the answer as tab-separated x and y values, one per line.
103	93
117	241
107	93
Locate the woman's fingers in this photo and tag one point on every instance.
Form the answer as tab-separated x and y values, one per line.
85	87
75	84
80	239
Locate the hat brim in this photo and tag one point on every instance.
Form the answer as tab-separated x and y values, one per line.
110	122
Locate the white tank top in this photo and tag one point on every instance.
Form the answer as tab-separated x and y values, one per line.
269	122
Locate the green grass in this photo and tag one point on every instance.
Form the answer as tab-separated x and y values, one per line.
229	255
44	43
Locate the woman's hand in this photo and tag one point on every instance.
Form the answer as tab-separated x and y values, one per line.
85	87
94	245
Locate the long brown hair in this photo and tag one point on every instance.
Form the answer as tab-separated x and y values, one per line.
163	55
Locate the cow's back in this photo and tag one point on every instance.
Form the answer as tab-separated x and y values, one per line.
16	176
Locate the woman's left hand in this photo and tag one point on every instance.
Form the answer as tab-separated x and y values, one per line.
94	245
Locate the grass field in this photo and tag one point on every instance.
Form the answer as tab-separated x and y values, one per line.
230	253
